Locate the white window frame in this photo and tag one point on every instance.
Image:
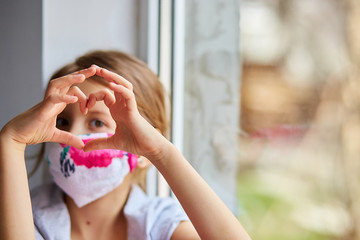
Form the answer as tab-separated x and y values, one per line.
164	54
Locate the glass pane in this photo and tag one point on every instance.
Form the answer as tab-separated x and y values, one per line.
299	147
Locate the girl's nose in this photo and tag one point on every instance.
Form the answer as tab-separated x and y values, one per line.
77	128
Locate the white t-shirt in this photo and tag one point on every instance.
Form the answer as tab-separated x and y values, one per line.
148	218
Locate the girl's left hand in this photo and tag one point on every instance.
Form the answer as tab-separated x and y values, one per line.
133	133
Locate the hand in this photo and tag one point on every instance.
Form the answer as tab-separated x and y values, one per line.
133	133
38	124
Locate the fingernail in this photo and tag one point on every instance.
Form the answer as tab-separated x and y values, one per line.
73	98
81	148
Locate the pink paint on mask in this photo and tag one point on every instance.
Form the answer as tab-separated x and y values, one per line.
99	158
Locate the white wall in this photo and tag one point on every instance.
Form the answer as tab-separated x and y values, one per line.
72	28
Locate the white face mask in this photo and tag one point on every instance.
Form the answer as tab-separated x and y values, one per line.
86	177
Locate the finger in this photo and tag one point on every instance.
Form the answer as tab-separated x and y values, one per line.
49	106
99	143
71	79
60	98
63	84
103	95
82	100
113	77
125	94
67	138
87	72
96	67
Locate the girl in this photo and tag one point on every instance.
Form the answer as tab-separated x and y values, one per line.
103	124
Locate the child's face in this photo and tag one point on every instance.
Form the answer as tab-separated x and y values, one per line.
98	118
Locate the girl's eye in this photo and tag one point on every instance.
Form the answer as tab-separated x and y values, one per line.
97	123
61	122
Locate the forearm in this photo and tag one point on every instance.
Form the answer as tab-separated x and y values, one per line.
16	221
209	215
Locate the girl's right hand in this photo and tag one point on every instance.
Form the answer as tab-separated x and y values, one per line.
38	124
133	132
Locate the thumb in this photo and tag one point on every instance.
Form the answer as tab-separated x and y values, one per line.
68	139
98	143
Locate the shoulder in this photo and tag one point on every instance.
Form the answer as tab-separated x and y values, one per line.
152	218
51	217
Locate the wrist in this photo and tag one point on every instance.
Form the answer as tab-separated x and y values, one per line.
8	142
161	156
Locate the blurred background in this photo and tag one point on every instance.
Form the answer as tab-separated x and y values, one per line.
299	166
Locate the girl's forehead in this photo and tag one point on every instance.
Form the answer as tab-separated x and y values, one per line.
90	86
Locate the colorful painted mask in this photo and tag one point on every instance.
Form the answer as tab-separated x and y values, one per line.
87	176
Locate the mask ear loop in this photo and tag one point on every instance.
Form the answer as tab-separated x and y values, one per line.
143	162
140	161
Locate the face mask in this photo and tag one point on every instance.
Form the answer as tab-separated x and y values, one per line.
87	176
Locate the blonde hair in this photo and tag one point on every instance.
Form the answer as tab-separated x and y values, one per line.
148	90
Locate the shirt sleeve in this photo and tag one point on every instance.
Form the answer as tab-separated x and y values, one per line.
152	218
169	214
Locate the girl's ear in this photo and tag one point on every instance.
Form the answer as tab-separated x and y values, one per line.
143	162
